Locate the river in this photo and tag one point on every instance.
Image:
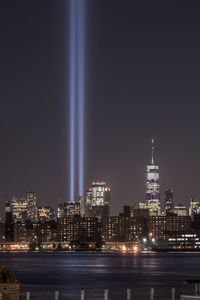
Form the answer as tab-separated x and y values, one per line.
43	273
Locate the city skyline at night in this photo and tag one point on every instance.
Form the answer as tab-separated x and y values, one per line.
100	149
141	81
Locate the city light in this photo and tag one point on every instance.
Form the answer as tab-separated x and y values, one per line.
123	248
76	111
72	96
81	66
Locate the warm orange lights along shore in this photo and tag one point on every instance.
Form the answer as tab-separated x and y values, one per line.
134	250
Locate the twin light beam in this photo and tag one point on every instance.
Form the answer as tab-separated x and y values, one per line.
76	117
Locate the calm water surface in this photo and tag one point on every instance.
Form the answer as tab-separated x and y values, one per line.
97	271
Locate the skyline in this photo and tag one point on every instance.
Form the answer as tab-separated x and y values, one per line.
152	198
141	81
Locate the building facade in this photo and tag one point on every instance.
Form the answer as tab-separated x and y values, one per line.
180	210
194	208
98	200
169	202
123	229
184	241
160	226
69	209
78	229
45	213
153	186
19	208
32	206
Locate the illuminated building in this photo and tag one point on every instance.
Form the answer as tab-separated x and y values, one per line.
45	213
98	200
19	208
194	208
78	229
131	211
82	205
184	241
32	206
68	209
88	197
153	186
180	210
46	231
123	229
160	226
24	231
169	203
24	208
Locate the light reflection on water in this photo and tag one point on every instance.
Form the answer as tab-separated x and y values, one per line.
101	270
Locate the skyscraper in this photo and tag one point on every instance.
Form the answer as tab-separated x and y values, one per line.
169	202
194	208
68	209
97	200
153	185
32	206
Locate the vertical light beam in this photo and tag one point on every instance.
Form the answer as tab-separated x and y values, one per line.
81	92
72	96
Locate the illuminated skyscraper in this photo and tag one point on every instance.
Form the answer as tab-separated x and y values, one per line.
194	208
32	206
153	185
98	200
169	202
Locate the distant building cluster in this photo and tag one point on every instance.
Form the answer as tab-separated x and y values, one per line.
89	223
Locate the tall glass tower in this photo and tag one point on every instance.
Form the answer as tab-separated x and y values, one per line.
153	185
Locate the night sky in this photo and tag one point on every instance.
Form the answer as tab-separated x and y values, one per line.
142	81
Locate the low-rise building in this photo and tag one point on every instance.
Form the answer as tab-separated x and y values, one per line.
184	241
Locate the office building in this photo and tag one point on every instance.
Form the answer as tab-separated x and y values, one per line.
45	213
76	228
194	208
47	231
9	227
98	200
123	229
160	226
24	231
180	210
169	202
32	206
184	241
19	208
69	209
131	211
153	186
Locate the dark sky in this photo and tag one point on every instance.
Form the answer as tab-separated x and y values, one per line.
142	81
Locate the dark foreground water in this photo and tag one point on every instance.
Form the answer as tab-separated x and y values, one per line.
43	273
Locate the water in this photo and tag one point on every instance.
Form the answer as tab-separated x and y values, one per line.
43	273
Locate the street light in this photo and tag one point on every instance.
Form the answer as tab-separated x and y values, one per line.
144	240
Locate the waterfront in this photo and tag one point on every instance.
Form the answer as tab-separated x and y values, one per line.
94	272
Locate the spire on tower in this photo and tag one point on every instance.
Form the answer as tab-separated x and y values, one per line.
152	151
